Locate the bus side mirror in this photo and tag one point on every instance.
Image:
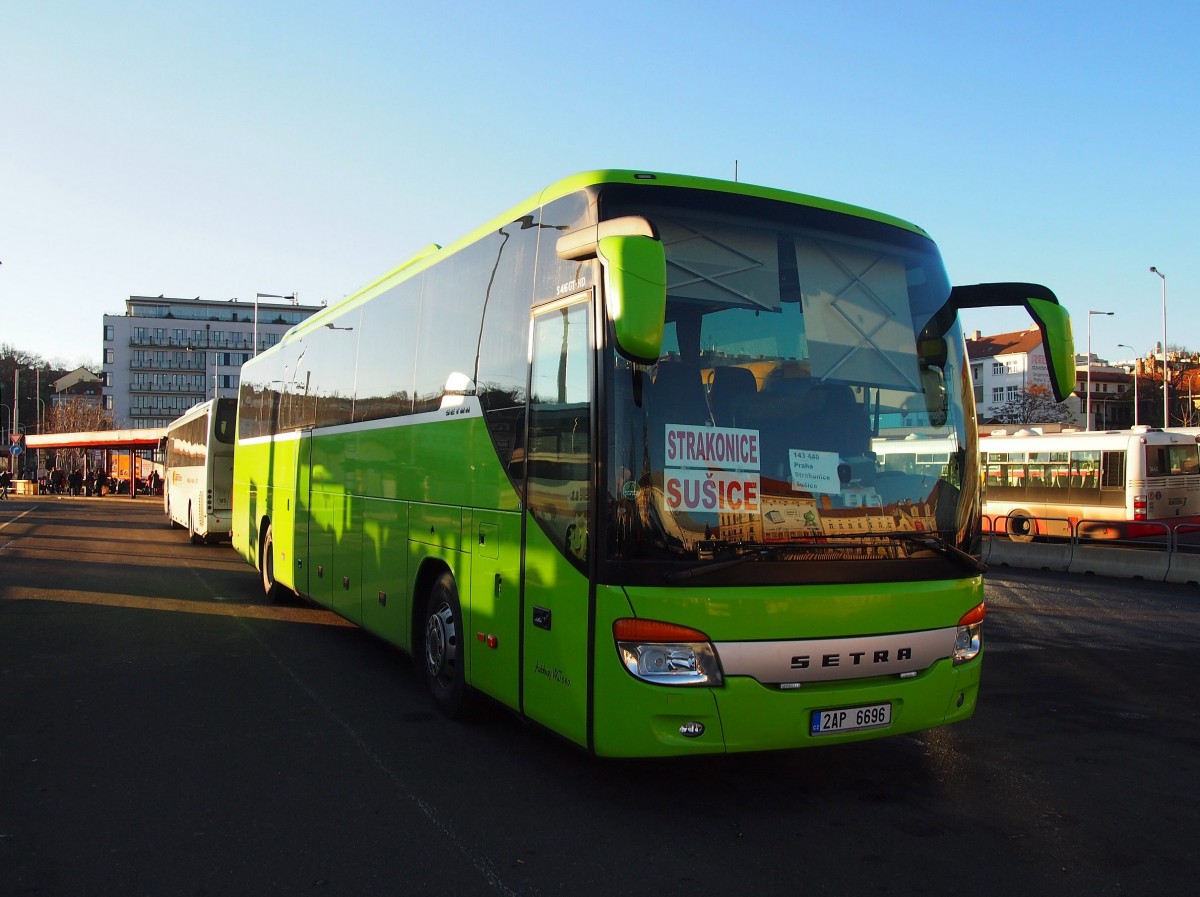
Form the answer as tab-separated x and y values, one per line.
635	280
1043	306
635	290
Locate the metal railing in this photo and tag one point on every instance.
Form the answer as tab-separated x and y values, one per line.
1151	550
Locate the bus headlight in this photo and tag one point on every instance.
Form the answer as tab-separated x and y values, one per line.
968	640
666	653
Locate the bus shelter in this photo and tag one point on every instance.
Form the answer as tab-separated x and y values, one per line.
130	443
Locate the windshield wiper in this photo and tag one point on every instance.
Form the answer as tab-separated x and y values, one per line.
938	545
759	551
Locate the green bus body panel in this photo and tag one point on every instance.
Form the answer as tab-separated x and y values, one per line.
555	667
494	611
638	719
264	487
386	596
826	611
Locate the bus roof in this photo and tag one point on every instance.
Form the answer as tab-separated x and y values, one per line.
1025	438
433	253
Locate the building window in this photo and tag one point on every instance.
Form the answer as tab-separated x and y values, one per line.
109	356
997	393
109	334
997	367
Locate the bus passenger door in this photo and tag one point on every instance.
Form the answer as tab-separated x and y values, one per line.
556	616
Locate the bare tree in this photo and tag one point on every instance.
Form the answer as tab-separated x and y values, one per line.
75	414
1035	405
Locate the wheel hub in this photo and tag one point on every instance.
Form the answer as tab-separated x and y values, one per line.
440	642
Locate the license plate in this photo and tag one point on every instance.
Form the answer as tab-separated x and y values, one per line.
850	719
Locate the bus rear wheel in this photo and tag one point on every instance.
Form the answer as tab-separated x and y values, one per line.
271	588
192	536
445	647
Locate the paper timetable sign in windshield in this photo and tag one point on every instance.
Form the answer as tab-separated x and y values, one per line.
815	472
711	469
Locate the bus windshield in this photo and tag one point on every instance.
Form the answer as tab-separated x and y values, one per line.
798	343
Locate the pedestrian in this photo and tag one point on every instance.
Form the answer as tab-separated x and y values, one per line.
5	482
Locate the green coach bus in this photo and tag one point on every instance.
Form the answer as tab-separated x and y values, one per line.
609	460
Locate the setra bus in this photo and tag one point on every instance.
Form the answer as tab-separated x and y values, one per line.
608	460
1101	484
198	470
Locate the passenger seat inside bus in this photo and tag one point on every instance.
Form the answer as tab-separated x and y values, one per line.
732	394
674	396
823	418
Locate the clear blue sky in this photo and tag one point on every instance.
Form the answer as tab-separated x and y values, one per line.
222	149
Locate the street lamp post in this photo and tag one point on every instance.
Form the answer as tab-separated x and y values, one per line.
1088	418
1166	406
1135	391
258	296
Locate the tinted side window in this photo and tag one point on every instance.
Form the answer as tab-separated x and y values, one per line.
504	345
258	397
557	278
330	361
387	351
451	311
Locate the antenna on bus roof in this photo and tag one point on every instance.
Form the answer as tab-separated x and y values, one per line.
735	171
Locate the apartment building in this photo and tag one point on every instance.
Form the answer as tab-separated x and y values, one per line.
165	355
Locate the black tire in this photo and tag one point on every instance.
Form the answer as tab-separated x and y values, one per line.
271	588
192	536
1021	527
444	643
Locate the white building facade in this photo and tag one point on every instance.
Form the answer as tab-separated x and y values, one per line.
165	355
1004	366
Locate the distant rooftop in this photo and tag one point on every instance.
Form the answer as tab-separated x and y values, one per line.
214	310
979	346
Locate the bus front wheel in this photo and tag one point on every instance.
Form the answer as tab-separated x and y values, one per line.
445	647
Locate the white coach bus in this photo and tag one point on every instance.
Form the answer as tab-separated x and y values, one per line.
198	475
